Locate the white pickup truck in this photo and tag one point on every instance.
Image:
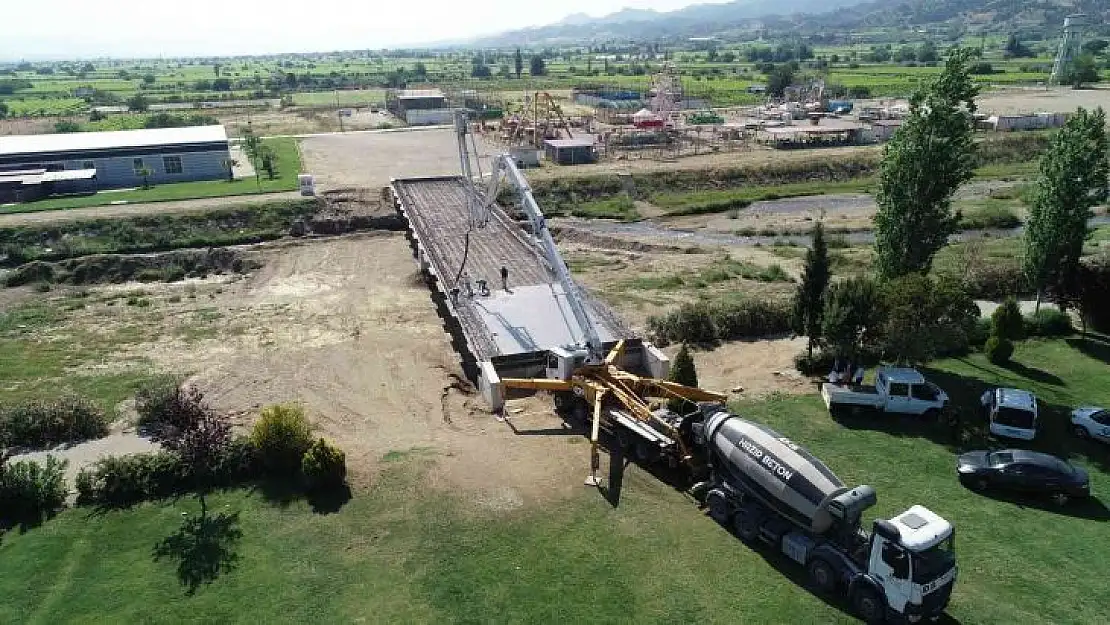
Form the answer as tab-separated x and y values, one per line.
896	390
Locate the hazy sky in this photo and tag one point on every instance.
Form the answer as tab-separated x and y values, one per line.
91	28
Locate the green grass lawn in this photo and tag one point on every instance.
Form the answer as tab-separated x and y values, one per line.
288	167
401	552
343	97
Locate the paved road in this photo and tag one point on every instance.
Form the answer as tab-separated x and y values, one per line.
146	208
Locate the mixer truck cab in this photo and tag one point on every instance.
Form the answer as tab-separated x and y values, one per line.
770	490
912	557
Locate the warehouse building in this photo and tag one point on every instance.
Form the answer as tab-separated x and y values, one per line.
570	151
117	159
419	107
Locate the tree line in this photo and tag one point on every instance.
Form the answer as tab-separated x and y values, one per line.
905	313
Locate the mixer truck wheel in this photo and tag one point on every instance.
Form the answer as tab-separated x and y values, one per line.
869	606
746	526
822	576
719	508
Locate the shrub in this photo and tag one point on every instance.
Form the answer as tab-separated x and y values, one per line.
1006	322
997	282
999	350
324	465
42	423
30	491
710	322
282	436
819	363
980	332
130	479
163	402
1049	322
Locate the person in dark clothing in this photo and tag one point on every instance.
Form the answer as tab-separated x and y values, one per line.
504	277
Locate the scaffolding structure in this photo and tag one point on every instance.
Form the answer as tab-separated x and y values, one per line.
1069	47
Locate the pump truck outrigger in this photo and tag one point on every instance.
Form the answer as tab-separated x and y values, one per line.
760	483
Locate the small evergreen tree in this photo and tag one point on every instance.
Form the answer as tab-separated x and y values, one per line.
1006	322
685	373
809	301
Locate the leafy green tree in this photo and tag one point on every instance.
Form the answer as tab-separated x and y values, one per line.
3	110
478	68
809	300
138	103
927	52
252	143
145	173
779	78
1095	46
268	157
1015	49
1072	180
518	62
683	372
537	66
852	323
925	318
923	165
148	79
1083	70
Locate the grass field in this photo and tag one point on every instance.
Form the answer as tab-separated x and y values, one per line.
401	552
356	97
288	167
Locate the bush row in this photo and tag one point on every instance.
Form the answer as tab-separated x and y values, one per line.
710	322
130	479
43	423
280	447
153	233
560	195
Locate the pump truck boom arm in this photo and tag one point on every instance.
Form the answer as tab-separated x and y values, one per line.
590	339
479	204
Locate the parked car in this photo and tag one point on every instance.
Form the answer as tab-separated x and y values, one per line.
1091	422
1012	413
1023	471
896	390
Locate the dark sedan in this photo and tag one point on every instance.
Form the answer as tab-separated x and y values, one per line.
1023	471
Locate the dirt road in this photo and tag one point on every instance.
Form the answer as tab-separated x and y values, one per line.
372	159
147	208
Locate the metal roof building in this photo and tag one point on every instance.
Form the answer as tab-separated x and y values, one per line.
122	158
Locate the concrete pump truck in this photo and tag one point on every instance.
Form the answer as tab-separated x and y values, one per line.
760	484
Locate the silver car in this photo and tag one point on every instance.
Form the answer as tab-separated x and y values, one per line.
1091	422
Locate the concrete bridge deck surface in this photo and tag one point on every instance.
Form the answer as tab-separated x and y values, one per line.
532	315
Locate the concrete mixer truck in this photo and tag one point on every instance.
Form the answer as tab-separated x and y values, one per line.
770	490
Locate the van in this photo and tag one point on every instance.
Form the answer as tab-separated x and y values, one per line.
1012	413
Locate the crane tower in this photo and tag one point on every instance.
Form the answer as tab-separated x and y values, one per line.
1069	47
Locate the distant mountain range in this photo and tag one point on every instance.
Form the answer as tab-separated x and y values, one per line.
805	17
692	21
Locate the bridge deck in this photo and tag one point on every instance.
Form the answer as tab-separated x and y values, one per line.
529	317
